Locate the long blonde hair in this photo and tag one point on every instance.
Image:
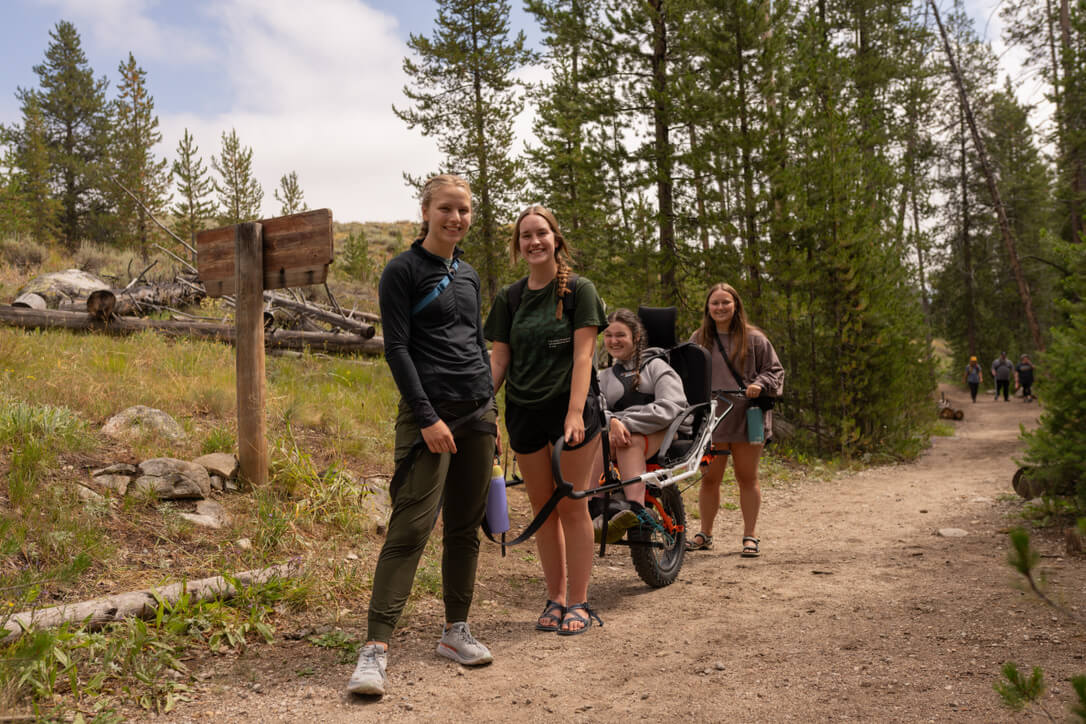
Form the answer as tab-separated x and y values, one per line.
432	184
738	328
562	251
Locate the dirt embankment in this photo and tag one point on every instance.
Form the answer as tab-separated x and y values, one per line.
857	610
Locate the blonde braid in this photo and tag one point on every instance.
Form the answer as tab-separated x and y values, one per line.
562	286
639	349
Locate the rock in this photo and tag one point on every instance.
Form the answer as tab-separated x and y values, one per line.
67	285
141	419
376	503
231	486
244	544
209	514
117	469
952	533
216	482
172	479
87	495
225	465
111	483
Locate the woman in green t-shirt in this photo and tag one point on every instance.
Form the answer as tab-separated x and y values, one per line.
543	348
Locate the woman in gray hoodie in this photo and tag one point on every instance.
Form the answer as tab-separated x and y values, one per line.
642	395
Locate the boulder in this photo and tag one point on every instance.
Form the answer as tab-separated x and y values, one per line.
117	484
376	503
224	465
209	514
140	419
171	479
56	287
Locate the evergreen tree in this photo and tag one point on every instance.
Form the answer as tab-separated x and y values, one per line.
239	193
292	196
136	168
194	187
465	95
76	131
27	198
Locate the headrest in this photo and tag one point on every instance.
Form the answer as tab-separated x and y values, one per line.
659	326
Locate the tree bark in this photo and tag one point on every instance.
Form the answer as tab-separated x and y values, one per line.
277	339
98	612
1004	225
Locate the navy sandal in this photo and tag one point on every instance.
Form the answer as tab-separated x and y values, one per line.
553	611
571	616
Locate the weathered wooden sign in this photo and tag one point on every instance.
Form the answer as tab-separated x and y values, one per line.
297	250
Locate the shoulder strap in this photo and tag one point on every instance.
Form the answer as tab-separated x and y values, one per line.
516	291
512	299
724	353
434	293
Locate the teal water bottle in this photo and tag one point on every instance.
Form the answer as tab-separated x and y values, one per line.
755	426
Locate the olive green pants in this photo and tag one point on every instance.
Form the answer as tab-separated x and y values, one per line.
458	483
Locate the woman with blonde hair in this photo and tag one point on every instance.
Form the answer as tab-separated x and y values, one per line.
743	359
543	328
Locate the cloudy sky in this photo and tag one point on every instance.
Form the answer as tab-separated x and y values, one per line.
308	85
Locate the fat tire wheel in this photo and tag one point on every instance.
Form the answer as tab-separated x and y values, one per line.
659	566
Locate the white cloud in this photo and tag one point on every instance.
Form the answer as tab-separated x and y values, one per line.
314	88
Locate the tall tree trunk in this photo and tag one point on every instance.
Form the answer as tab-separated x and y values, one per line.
967	247
661	112
1004	225
1073	157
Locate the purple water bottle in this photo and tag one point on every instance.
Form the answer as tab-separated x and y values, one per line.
497	510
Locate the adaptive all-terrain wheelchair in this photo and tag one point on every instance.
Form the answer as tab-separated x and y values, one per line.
658	542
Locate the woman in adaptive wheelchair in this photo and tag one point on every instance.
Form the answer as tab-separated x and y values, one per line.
543	328
743	359
643	395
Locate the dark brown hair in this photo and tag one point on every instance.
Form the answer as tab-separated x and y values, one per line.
637	332
562	251
738	329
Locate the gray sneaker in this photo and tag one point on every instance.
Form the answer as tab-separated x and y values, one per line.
458	644
369	676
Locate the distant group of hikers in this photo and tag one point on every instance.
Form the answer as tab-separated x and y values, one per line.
1003	372
543	330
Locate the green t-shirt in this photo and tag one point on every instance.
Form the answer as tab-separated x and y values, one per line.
541	364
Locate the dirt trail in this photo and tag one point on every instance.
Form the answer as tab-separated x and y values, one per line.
856	610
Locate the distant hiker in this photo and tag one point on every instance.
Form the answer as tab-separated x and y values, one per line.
973	377
1023	377
543	328
445	429
1002	372
742	359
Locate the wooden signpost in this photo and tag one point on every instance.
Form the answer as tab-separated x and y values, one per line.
245	260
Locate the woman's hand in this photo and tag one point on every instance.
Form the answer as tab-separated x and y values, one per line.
754	391
620	435
573	429
438	438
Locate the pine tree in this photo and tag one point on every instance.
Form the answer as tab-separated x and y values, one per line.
194	187
292	196
239	193
136	168
76	124
465	95
28	204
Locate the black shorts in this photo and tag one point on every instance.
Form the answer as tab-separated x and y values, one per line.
532	428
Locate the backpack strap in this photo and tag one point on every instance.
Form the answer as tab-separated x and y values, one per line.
569	301
434	293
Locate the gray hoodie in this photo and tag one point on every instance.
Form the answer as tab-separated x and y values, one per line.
658	379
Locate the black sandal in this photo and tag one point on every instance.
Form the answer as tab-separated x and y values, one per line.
750	547
553	611
571	616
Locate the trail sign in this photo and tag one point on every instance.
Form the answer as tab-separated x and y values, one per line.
297	250
245	260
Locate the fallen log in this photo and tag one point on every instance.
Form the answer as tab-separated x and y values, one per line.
276	339
132	300
98	612
337	320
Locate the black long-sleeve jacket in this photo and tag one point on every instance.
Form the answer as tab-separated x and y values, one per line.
438	353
